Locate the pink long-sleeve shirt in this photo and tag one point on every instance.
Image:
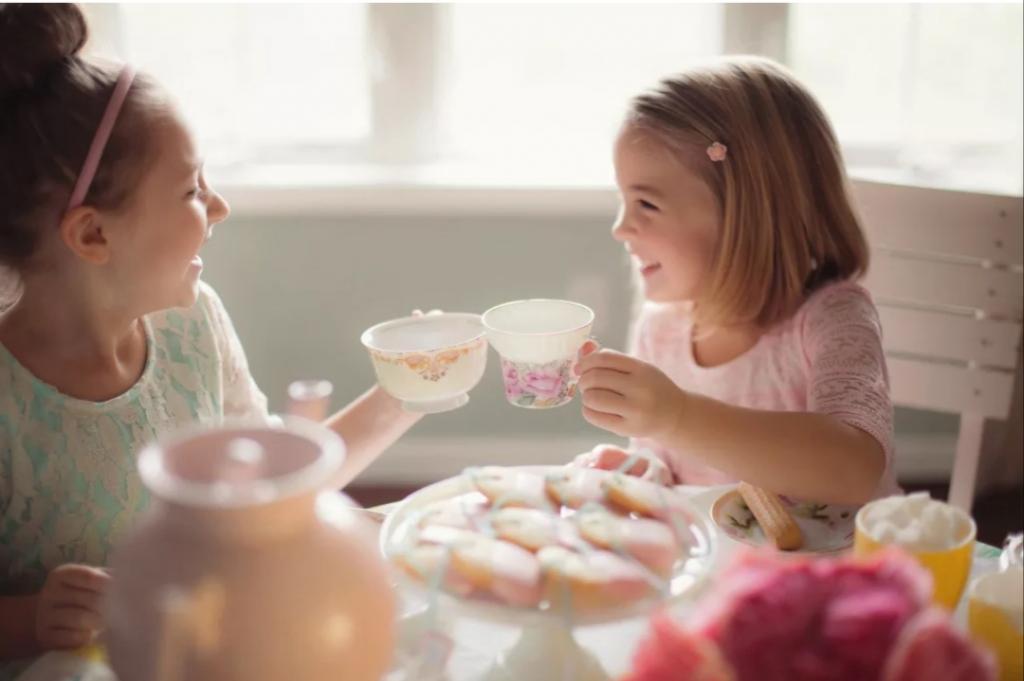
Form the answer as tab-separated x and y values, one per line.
826	358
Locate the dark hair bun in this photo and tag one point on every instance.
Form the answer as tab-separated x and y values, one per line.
34	38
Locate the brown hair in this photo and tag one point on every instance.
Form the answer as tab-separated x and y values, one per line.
51	101
788	223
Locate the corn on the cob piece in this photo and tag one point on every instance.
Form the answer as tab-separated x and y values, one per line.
775	521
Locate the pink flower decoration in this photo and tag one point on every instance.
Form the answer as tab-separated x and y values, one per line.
770	618
544	385
717	152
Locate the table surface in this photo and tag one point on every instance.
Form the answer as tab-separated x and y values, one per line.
476	644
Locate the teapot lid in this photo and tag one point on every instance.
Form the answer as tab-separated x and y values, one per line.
241	464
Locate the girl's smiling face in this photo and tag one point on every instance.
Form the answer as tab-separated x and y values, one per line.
669	219
154	251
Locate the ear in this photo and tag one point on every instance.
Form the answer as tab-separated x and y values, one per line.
82	232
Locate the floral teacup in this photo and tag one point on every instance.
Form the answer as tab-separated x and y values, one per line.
538	342
429	362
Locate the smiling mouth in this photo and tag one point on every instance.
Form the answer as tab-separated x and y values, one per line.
647	269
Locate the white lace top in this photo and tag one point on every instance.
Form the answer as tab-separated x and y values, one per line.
68	483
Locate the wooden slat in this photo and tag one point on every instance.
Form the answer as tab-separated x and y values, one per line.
927	385
950	336
996	292
965	463
934	221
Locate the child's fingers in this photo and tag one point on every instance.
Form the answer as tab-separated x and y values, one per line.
82	577
601	456
590	346
607	379
610	422
607	359
638	468
65	639
71	596
71	617
612	458
606	401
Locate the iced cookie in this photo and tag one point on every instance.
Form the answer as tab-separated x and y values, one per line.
650	542
643	497
510	487
431	564
592	579
574	487
464	511
531	528
509	572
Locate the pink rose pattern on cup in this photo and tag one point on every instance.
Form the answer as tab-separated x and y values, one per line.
539	385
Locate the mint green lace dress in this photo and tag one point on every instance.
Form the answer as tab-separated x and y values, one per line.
68	483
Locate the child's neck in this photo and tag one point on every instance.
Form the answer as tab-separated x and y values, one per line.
81	343
713	347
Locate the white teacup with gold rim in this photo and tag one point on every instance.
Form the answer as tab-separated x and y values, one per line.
429	362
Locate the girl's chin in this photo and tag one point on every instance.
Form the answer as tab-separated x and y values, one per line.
663	294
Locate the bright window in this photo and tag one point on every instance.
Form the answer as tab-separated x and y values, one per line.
258	79
926	92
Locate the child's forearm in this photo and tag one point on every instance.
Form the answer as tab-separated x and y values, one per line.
17	627
369	425
801	454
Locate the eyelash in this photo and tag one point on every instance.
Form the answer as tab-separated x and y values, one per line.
647	205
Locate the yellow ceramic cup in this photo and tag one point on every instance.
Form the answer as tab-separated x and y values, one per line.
995	617
949	567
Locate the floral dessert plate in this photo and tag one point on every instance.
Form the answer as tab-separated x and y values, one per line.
827	528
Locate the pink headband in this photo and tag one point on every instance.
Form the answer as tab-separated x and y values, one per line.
99	140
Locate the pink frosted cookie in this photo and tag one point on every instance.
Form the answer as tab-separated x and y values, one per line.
431	564
573	487
510	487
464	511
531	528
592	579
509	572
650	542
643	497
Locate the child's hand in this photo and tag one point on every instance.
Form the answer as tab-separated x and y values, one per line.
68	609
627	396
610	457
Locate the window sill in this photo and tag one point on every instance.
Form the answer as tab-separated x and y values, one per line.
436	190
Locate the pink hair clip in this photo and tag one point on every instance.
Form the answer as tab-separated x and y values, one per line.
717	152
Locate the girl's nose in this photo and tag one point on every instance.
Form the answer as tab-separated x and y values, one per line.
622	230
217	209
